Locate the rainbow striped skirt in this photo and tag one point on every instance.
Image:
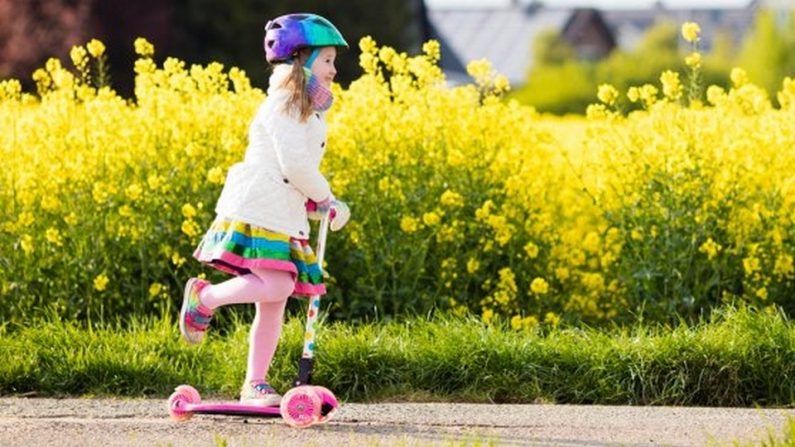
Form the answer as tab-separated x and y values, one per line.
236	247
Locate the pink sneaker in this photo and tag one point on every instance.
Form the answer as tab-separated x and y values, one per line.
194	318
259	392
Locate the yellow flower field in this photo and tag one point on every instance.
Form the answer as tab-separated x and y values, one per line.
461	201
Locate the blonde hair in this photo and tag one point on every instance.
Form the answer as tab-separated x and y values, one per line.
298	103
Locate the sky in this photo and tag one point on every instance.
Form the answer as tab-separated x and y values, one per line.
611	4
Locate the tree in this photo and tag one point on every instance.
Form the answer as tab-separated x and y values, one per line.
232	31
768	52
550	48
197	31
33	31
662	37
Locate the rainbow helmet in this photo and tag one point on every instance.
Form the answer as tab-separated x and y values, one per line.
287	34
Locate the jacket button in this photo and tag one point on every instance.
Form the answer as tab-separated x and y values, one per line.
323	144
285	180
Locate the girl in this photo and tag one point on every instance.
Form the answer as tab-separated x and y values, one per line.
261	232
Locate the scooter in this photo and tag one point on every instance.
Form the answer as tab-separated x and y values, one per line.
302	406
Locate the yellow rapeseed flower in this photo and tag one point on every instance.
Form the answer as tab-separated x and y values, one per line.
26	242
144	48
383	184
155	181
552	319
100	192
715	94
672	87
693	59
409	224
53	236
501	84
101	282
518	323
473	265
177	260
432	49
188	211
591	242
607	94
633	94
481	70
96	48
70	219
739	77
367	44
155	289
431	219
539	286
451	199
710	247
531	249
134	192
487	316
596	112
691	31
215	175
750	264
190	228
50	203
784	265
648	94
79	56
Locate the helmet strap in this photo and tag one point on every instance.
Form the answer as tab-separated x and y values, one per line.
309	61
312	57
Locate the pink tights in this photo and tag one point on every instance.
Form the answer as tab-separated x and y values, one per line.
268	289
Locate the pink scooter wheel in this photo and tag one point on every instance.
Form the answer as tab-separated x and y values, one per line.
301	407
328	404
182	395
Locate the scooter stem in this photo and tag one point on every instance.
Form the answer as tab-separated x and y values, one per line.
306	364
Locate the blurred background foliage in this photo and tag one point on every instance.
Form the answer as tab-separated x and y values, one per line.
197	31
230	32
560	83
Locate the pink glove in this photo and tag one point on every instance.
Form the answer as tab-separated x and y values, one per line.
324	205
338	213
315	210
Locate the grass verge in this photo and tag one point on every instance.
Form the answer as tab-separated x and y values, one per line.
738	358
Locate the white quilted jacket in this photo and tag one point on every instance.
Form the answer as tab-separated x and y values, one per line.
281	168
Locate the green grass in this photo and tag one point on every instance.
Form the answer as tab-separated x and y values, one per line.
738	358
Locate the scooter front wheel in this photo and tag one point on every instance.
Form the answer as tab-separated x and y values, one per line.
328	404
301	406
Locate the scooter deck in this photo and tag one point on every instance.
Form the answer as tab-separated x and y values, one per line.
233	409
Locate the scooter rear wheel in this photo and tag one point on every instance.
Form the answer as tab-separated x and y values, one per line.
182	395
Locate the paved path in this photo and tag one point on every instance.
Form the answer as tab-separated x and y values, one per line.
145	422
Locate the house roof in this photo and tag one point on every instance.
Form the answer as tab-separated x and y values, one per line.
504	36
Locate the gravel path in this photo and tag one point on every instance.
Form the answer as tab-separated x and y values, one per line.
145	422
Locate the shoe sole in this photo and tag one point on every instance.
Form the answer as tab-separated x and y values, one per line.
184	310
